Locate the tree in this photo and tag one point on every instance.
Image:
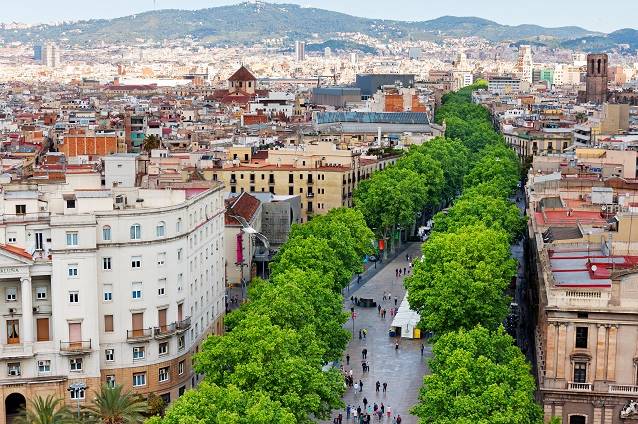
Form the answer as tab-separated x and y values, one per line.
391	198
430	171
478	376
316	308
155	405
151	142
49	410
454	159
461	280
312	254
112	405
475	209
211	404
282	362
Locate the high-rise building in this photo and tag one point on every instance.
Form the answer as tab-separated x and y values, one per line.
525	64
300	51
597	78
50	55
37	52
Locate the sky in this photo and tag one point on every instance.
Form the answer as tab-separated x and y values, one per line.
615	14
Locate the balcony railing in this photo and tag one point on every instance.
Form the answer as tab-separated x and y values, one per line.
76	347
623	389
164	331
184	324
579	387
141	334
24	217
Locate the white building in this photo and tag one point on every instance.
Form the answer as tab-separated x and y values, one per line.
117	285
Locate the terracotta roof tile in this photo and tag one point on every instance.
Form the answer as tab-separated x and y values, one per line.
245	206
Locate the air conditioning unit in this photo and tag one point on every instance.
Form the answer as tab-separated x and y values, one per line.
41	363
12	310
14	372
36	309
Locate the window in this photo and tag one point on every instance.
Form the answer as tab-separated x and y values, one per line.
74	297
577	419
108	293
70	203
178	226
71	238
40	293
164	374
136	262
106	233
108	323
12	238
580	372
160	230
39	241
161	287
139	379
11	294
138	352
13	331
163	348
136	232
166	397
180	368
161	258
77	394
181	391
44	366
109	355
72	270
110	380
179	254
21	209
14	369
180	342
581	337
106	264
75	364
136	290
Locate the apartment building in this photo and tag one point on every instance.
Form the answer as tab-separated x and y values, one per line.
584	250
527	142
322	175
106	286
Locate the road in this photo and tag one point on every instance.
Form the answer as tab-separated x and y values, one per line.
401	369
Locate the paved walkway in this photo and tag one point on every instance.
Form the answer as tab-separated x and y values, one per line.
404	369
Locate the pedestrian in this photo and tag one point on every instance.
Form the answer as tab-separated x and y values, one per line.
365	402
364	352
382	408
399	272
404	273
359	279
356	387
379	309
396	345
363	366
356	413
359	334
383	313
399	419
389	296
348	408
375	408
385	388
340	417
407	257
365	333
395	300
378	384
389	410
360	385
422	349
394	420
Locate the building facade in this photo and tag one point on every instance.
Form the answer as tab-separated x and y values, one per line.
106	286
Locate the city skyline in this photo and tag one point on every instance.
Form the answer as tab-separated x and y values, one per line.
563	13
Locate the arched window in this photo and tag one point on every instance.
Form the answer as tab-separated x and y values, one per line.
160	230
599	62
106	233
136	232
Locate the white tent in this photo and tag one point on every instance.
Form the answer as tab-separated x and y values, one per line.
406	319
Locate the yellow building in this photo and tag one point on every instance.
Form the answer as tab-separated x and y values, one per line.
322	175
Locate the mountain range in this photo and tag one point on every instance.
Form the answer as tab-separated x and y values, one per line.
249	23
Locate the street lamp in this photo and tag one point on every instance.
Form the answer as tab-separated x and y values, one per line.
77	388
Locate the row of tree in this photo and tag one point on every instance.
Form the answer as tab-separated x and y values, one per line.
459	286
271	364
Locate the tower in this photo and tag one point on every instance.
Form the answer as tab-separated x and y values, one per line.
596	81
525	64
300	51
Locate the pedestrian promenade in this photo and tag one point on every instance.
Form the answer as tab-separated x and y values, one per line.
401	369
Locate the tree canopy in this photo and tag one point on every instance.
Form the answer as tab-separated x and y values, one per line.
478	376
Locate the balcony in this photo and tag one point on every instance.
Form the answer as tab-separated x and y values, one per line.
579	387
183	325
24	217
16	351
623	389
310	195
139	335
73	348
164	331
